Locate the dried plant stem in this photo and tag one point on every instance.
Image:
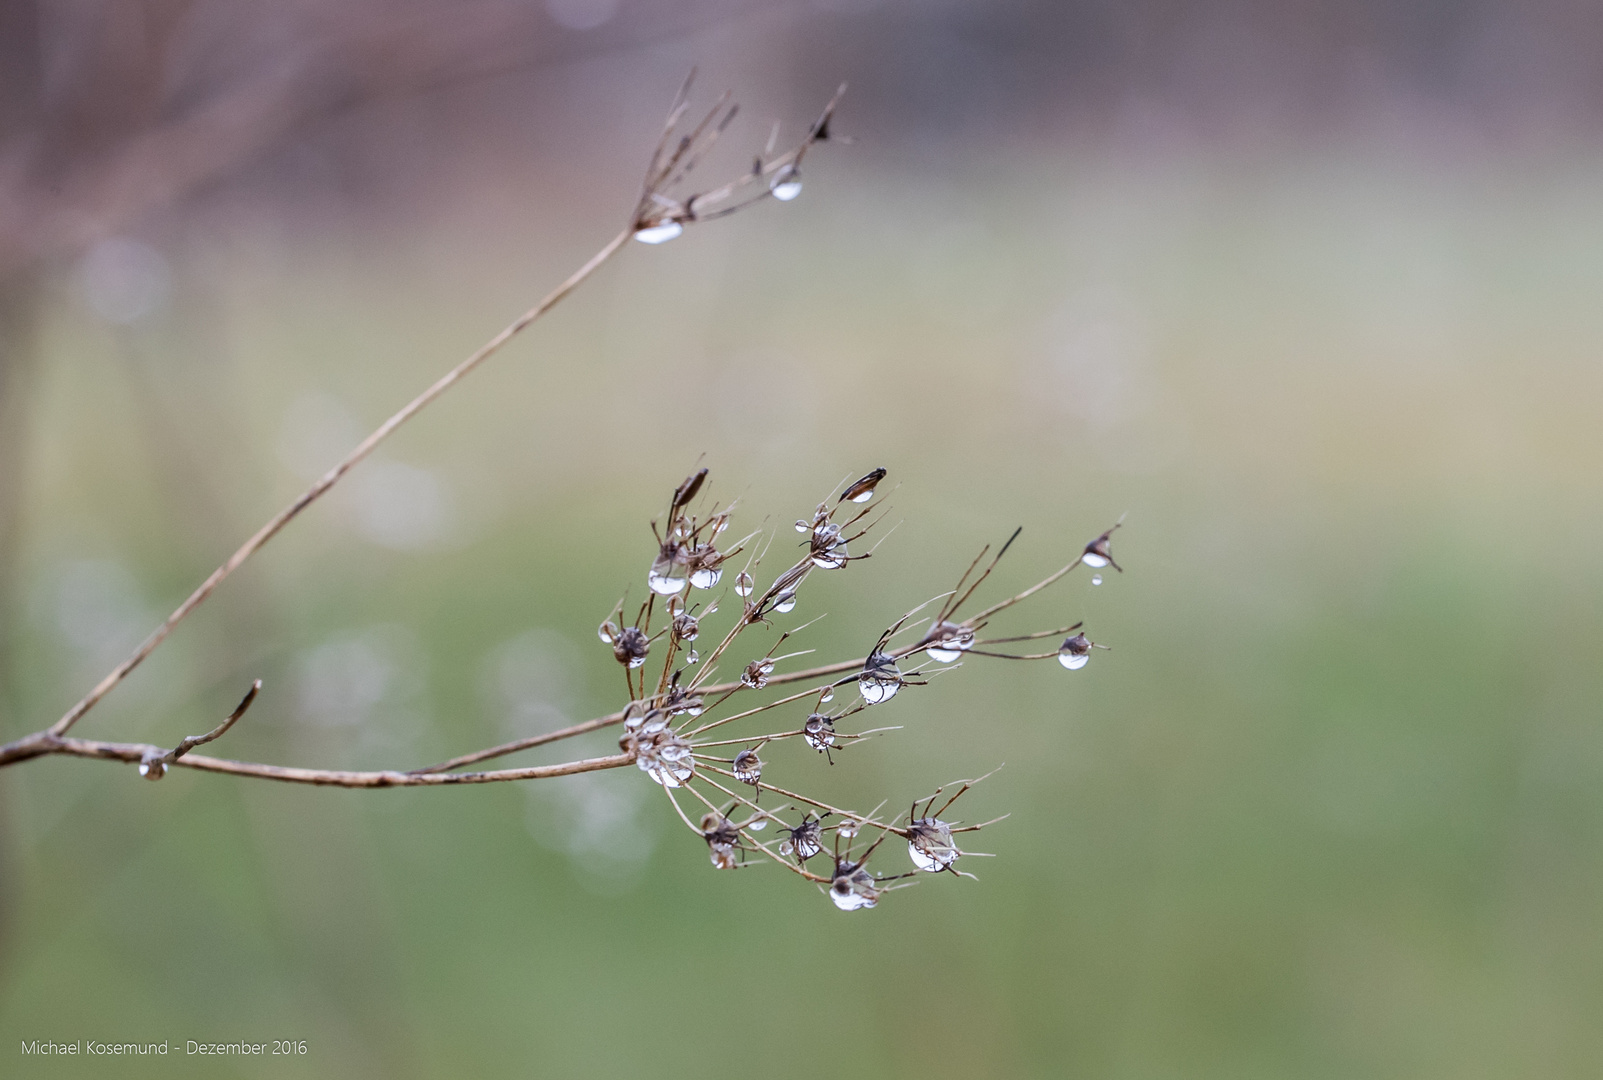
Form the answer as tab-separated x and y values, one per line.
328	480
137	752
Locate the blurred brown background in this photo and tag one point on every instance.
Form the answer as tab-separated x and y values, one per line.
1309	289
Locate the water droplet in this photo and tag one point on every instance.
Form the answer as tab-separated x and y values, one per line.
805	840
758	824
848	827
1075	652
748	767
828	695
153	768
664	584
1096	579
786	183
692	657
853	887
948	641
744	584
819	731
1093	560
802	526
660	233
929	844
607	632
705	578
878	692
862	490
785	602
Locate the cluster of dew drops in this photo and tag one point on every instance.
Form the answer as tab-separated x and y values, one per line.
688	557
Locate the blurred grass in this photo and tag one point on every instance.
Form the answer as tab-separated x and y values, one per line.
1329	808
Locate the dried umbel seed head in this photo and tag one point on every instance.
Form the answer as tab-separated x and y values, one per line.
946	641
880	680
929	844
748	767
863	490
629	645
804	841
756	674
819	732
1075	652
1099	554
853	887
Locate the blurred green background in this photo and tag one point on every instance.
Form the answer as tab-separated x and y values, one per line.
1331	807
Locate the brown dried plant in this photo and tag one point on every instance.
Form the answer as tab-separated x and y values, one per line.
677	727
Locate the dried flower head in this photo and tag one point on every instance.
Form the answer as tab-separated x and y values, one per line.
748	767
723	839
853	887
805	840
946	641
672	729
1098	554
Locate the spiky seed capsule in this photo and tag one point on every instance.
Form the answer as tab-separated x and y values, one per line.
1075	652
748	767
819	732
880	680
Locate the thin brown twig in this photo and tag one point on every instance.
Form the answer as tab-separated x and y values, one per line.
329	479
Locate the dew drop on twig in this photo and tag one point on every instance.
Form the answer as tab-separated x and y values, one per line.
786	183
744	584
660	233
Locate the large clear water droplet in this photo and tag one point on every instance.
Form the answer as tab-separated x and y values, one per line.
786	183
802	526
744	584
848	827
878	691
758	825
1093	560
704	578
692	657
829	695
1072	662
930	845
660	233
664	584
785	602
